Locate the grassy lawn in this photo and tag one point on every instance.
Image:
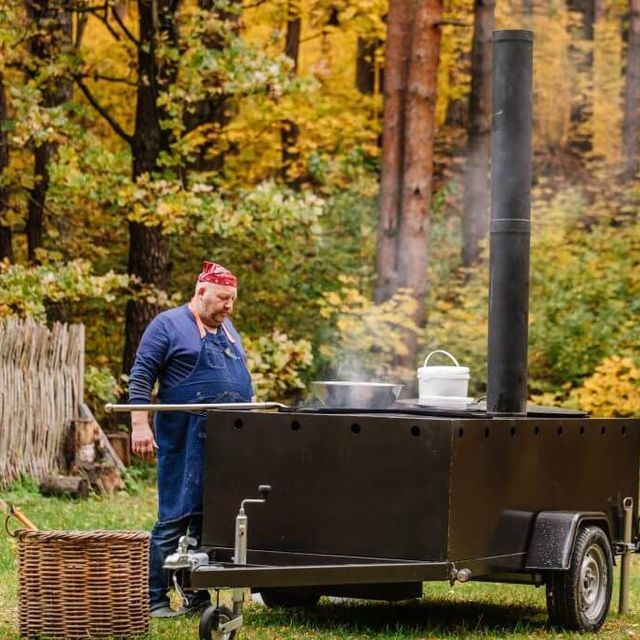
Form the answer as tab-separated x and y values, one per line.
464	611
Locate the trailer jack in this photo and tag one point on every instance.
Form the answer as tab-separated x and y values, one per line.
221	623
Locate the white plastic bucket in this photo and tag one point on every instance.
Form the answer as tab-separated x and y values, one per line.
441	381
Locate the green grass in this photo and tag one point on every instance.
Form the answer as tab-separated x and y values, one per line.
464	611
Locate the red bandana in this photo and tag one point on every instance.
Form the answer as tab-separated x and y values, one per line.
217	274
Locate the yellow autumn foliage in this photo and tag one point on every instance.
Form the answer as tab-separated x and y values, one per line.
368	337
612	390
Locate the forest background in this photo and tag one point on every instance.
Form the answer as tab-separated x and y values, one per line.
139	138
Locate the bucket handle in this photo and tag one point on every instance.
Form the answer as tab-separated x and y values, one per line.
446	353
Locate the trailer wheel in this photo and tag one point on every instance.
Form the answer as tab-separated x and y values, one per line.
209	621
578	599
282	599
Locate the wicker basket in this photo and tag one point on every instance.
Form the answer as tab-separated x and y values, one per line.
83	584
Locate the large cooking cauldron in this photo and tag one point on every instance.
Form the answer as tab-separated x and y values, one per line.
338	394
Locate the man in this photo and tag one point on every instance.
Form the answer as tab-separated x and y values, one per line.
195	354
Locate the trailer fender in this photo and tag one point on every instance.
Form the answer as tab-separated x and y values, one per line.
553	537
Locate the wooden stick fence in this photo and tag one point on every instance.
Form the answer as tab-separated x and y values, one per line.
41	376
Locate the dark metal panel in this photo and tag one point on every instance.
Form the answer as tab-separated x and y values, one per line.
349	485
506	471
212	576
554	533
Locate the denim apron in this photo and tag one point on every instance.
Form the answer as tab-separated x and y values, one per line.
219	375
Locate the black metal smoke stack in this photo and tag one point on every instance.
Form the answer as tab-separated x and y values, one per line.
510	222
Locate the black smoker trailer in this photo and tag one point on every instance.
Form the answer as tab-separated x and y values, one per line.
371	504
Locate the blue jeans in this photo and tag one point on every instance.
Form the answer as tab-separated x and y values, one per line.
164	541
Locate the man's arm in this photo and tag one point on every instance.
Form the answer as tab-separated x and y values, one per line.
149	361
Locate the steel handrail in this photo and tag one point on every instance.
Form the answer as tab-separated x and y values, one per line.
123	408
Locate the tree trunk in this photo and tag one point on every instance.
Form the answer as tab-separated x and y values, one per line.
366	66
580	136
475	214
289	129
418	151
149	259
54	31
631	123
395	83
6	237
214	110
407	178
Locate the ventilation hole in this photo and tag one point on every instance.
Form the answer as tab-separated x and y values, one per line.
624	431
295	425
460	432
487	432
581	431
355	428
536	431
603	431
513	432
238	424
415	431
560	431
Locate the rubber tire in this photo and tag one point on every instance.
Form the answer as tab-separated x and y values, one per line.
563	603
209	615
282	599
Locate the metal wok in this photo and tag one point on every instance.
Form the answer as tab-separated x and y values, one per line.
356	395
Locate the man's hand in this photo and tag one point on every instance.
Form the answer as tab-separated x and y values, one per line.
143	443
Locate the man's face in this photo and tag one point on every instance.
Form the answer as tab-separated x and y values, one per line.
215	302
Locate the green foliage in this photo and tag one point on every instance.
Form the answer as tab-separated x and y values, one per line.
585	283
277	364
100	385
367	338
26	291
584	302
138	478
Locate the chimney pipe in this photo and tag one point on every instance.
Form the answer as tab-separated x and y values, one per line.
510	222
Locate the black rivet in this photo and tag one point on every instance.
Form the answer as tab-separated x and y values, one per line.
238	423
295	425
415	431
355	428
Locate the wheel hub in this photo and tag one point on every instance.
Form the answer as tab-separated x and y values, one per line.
593	582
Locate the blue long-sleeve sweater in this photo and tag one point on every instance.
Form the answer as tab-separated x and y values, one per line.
168	352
